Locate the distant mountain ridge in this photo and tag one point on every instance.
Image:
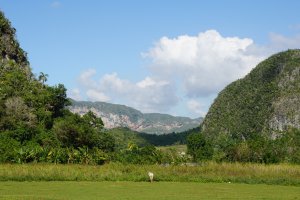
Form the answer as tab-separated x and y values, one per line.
115	115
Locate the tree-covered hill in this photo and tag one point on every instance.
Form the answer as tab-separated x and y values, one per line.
261	108
35	124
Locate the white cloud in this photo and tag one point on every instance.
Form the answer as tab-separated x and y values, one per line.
112	83
185	68
94	95
204	63
75	94
148	95
85	78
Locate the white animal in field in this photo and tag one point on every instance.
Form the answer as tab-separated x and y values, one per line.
151	176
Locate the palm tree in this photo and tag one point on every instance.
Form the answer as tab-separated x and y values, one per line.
43	77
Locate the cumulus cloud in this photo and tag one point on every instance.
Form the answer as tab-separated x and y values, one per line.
185	68
204	63
94	95
148	95
85	78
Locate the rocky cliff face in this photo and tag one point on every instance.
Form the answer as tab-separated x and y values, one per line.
114	115
287	106
9	46
265	102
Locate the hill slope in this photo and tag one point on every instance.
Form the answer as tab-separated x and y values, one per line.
266	102
114	115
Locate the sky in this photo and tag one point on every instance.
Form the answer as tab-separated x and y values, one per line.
167	56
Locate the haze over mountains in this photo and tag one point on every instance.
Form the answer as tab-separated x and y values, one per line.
114	115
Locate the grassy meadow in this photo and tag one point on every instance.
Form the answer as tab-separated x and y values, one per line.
178	148
281	174
143	190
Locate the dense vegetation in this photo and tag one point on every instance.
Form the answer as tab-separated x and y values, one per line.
256	119
34	122
242	124
124	136
170	138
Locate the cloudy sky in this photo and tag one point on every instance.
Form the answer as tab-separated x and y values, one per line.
157	56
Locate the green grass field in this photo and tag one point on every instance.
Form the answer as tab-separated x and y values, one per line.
281	174
143	190
178	148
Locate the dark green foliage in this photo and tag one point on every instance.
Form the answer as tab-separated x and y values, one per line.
124	137
58	100
289	146
94	121
169	139
71	131
7	146
139	155
199	147
75	131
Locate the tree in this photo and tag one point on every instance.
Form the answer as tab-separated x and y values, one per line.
43	77
18	119
58	100
72	131
199	147
93	120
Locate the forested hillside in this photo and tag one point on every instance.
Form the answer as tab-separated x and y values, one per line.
257	118
34	122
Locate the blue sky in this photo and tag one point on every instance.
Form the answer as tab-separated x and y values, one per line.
157	56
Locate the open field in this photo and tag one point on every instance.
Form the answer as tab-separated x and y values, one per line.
143	190
178	148
282	174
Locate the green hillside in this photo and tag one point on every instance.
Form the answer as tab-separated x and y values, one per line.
125	137
264	106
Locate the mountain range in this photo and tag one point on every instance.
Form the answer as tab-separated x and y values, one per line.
115	115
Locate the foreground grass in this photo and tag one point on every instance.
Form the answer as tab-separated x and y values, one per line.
137	190
282	174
